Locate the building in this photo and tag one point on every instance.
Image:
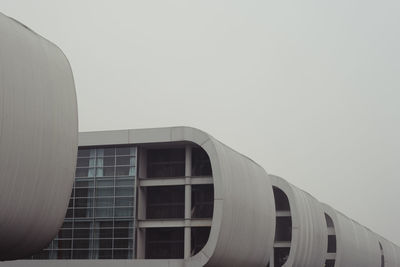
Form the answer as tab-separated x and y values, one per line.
178	197
38	139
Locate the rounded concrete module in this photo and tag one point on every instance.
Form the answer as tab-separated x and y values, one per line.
309	230
243	223
356	245
390	253
38	139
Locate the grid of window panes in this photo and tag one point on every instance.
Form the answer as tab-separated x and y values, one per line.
100	219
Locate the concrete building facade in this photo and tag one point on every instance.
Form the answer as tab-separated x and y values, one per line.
178	197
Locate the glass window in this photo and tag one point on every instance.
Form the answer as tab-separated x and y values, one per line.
202	201
164	243
166	162
104	191
123	150
280	256
83	213
84	192
83	183
123	212
122	254
331	244
103	233
122	171
104	212
199	238
86	152
84	202
165	202
201	165
105	172
64	244
105	254
80	254
65	233
110	151
81	243
81	233
124	201
84	172
124	191
123	233
94	208
85	162
123	160
107	161
283	231
122	243
105	202
124	182
105	182
64	254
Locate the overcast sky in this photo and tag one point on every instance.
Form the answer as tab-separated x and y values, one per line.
308	89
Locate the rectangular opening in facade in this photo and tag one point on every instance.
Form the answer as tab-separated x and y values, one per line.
330	263
164	243
283	231
201	165
199	238
281	200
202	201
168	162
280	256
331	244
165	202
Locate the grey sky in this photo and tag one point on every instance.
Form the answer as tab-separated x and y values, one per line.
308	89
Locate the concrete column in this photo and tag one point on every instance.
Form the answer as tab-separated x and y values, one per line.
141	244
188	200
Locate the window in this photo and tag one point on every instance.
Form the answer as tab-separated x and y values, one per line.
166	162
202	201
165	202
201	165
164	243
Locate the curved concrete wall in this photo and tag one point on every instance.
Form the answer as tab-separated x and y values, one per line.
38	139
356	245
309	231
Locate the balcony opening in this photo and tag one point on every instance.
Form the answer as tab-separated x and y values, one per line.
280	256
281	200
165	202
283	232
201	165
164	162
202	201
164	243
199	238
331	243
330	263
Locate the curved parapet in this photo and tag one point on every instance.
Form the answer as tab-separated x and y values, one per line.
308	243
38	139
356	245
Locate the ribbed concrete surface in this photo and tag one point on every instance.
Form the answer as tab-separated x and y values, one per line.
38	139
